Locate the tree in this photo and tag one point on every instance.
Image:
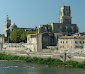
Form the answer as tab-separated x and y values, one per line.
31	32
16	34
23	36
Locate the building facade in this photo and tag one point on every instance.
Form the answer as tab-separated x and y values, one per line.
1	41
64	26
71	43
50	32
65	15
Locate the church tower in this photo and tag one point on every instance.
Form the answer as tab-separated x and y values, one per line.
65	15
7	26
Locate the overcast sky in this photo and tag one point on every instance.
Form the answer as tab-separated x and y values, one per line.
31	13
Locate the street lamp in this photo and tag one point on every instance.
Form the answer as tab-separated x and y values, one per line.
65	54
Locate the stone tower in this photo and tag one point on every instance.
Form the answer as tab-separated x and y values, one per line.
7	25
65	15
7	29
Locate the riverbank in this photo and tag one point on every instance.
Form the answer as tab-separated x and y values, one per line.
48	61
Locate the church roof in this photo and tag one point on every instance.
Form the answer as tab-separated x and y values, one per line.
13	26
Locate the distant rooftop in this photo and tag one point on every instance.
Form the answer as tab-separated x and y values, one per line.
72	37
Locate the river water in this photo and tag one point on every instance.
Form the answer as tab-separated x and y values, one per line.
7	67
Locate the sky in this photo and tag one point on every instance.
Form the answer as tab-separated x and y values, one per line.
31	13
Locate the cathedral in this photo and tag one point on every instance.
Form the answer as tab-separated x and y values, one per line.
50	32
64	26
10	27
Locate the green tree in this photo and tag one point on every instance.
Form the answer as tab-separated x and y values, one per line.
23	36
16	34
31	32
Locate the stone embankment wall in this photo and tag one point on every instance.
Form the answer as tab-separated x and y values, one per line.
24	49
73	57
49	54
1	42
16	47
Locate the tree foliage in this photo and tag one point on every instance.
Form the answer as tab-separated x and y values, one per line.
19	35
15	35
31	32
23	36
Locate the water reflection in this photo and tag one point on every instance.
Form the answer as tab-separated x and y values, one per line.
29	68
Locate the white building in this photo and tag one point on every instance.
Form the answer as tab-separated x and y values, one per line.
71	43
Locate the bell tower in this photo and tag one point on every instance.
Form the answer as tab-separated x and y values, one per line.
7	25
65	15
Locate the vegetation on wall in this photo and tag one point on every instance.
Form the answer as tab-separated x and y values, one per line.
19	35
31	32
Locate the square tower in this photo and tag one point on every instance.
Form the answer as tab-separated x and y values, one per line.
65	15
7	26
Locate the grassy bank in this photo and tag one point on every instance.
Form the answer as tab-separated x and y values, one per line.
49	61
30	59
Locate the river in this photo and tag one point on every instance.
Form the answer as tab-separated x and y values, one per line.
10	67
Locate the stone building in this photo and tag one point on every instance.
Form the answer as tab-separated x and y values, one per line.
46	39
50	32
65	15
47	35
39	41
71	43
64	26
79	34
32	42
10	27
1	41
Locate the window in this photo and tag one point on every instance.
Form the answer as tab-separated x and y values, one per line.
76	42
66	41
70	42
83	41
79	47
71	46
80	42
60	46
